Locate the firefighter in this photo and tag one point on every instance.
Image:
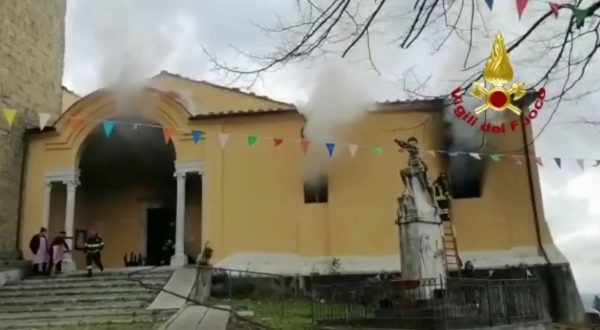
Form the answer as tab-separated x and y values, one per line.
93	247
442	196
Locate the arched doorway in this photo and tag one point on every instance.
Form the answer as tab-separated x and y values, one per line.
127	191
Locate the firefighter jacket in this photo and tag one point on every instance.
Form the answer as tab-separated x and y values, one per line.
94	245
439	192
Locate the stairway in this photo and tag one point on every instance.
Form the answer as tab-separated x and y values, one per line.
76	301
450	248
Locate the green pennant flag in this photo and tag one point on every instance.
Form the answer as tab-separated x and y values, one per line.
378	151
252	140
579	15
496	158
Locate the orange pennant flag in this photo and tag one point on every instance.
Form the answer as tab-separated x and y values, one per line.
167	133
304	144
76	122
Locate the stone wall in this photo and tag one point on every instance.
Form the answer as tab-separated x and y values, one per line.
31	66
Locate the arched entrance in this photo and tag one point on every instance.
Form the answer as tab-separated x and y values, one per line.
128	191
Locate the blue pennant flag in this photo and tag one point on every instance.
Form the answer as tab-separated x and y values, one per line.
197	136
490	3
330	148
108	127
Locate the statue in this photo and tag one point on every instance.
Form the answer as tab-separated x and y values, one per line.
420	230
416	165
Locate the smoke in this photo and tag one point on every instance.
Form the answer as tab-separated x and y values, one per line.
341	95
131	41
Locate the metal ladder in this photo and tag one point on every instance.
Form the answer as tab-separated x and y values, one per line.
450	248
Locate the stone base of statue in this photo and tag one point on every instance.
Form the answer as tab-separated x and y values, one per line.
421	240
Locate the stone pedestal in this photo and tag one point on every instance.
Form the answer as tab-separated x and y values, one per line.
68	265
178	259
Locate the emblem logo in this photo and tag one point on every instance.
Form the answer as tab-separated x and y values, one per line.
498	72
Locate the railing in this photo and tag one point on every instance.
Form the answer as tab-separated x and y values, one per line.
428	304
243	288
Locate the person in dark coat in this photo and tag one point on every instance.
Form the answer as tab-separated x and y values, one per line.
41	252
58	248
93	246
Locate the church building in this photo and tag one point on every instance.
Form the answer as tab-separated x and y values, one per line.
200	164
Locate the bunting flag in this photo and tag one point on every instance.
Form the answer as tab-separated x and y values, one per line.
330	148
10	115
517	159
521	4
43	119
555	8
579	15
108	125
557	161
490	3
252	140
304	144
197	136
167	133
352	148
223	138
76	123
539	161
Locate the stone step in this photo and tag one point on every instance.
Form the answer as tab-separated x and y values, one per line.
50	285
133	271
5	294
60	307
96	277
76	313
59	321
77	299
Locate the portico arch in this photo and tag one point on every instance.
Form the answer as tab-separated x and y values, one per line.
91	180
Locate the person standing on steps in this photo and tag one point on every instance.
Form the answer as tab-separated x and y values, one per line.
93	247
39	247
58	249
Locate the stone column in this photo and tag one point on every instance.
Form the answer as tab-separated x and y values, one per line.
68	264
179	258
46	205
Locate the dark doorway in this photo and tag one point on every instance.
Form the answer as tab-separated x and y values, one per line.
160	229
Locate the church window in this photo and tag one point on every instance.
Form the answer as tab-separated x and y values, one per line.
316	191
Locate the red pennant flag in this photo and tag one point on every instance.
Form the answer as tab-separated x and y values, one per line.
521	4
277	141
555	7
304	144
76	122
167	133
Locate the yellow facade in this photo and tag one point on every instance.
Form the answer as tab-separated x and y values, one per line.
251	207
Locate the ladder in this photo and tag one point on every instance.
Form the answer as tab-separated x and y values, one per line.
453	261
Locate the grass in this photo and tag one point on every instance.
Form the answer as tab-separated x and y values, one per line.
296	314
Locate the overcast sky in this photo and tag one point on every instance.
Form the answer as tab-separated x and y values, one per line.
142	37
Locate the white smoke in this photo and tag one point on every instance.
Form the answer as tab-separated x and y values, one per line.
137	41
341	95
